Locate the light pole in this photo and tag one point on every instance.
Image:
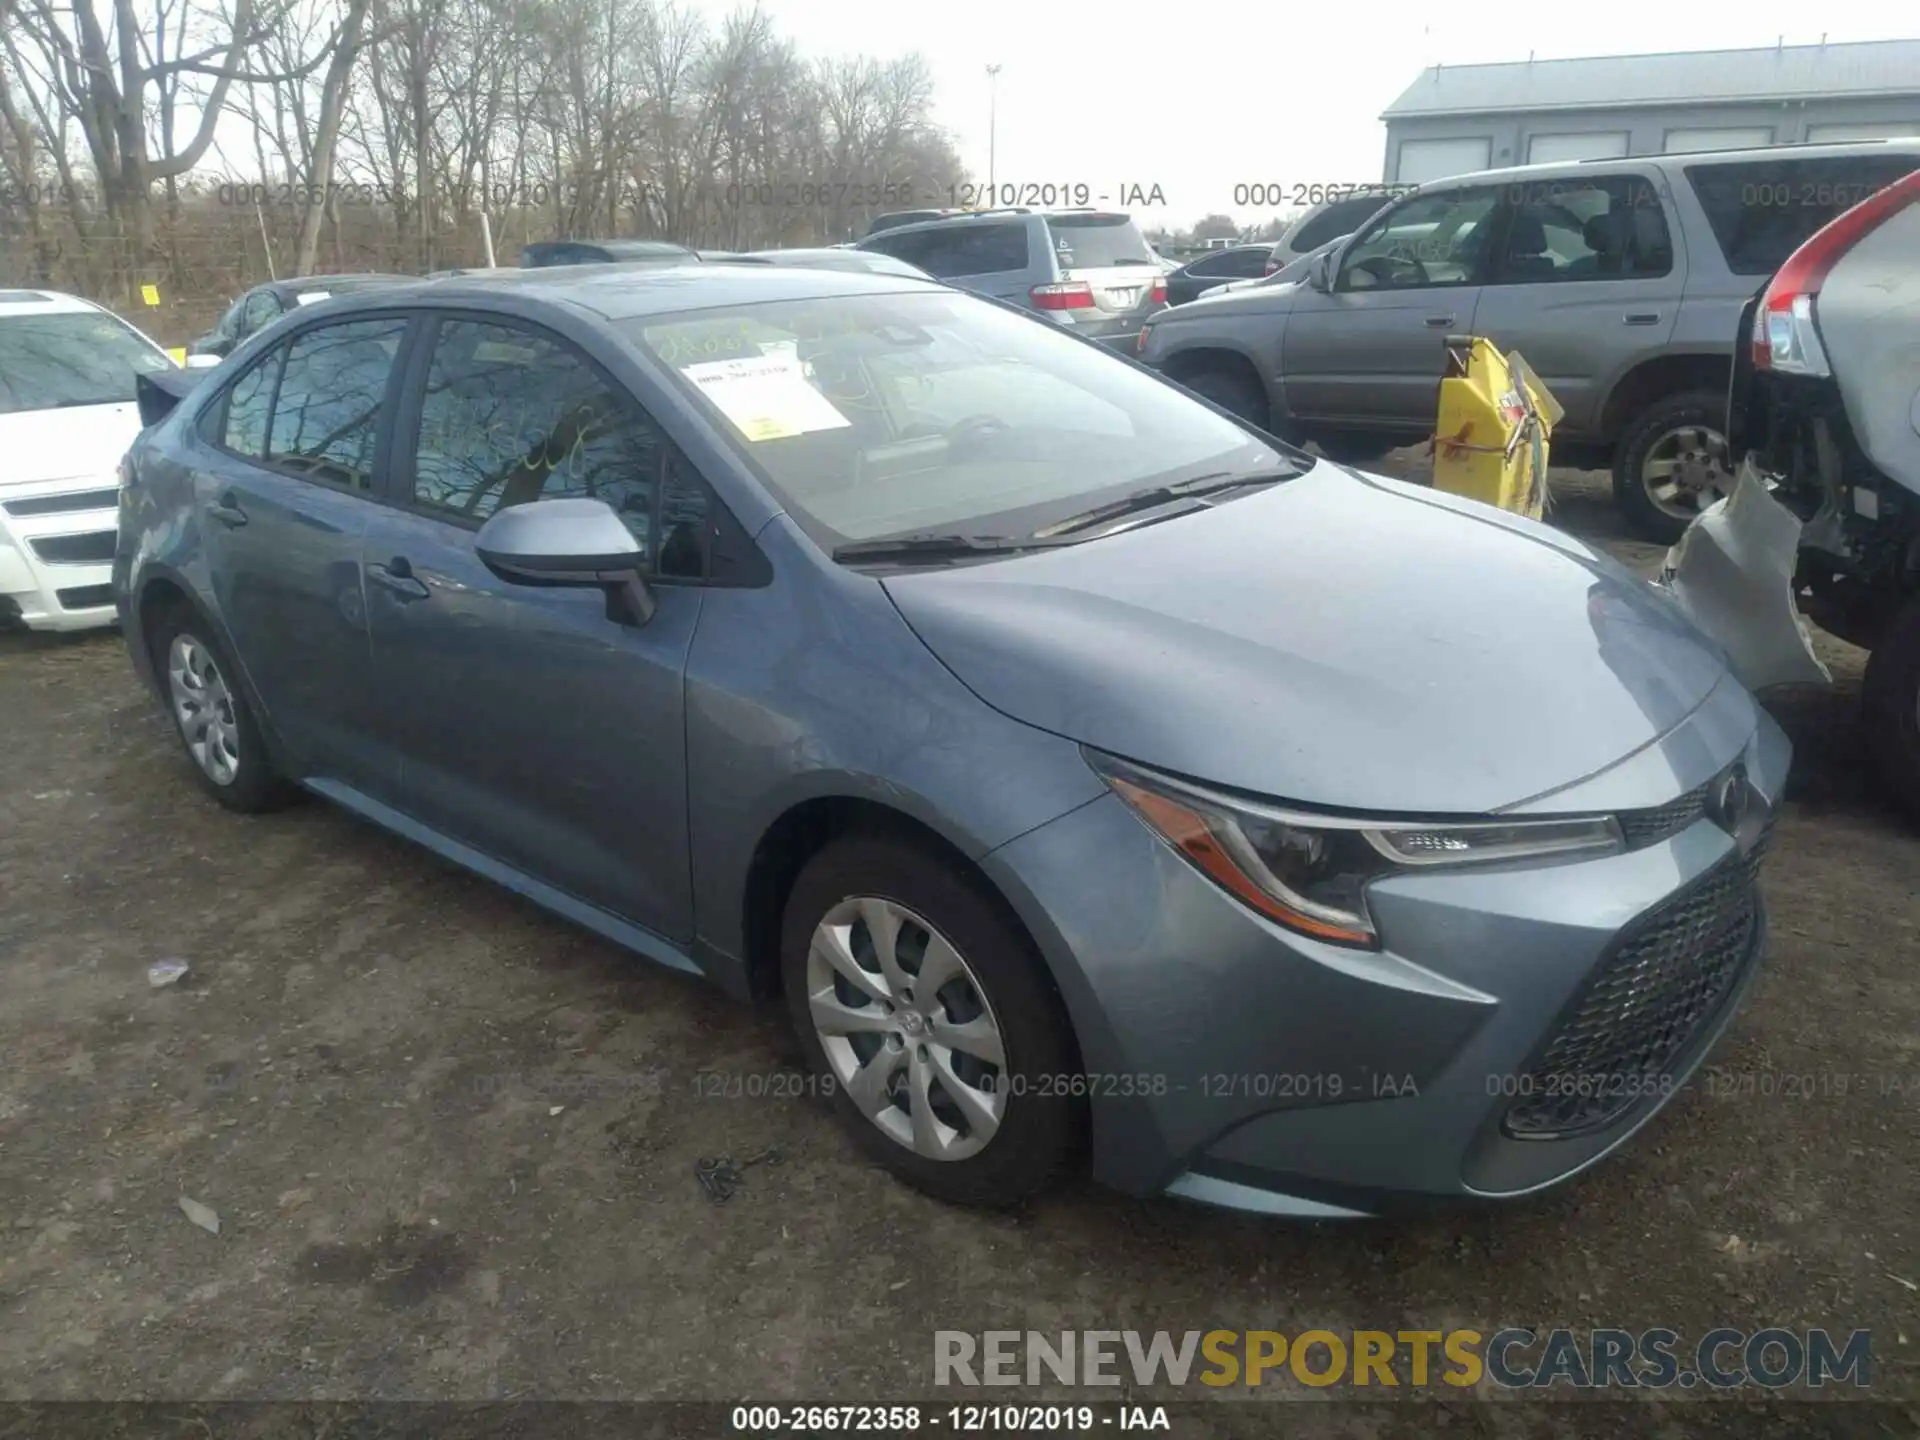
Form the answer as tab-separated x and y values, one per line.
993	94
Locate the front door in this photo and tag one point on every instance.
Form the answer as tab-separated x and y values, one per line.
531	727
288	461
1372	350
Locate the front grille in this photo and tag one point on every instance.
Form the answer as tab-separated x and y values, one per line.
1645	1005
1648	827
63	504
84	597
93	549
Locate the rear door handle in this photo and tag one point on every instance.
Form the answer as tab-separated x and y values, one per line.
397	575
227	511
1643	317
1439	322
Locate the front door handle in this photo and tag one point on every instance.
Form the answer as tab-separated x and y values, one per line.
1642	317
1439	322
397	575
227	511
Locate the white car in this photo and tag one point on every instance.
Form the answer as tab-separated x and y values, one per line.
67	416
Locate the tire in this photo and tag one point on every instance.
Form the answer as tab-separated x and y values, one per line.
1232	390
1661	424
1356	448
1040	1120
1891	700
228	756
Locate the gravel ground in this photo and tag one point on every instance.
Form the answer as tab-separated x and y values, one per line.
451	1141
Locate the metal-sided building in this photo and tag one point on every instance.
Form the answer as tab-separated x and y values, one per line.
1460	118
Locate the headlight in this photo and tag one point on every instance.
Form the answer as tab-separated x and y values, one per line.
1310	872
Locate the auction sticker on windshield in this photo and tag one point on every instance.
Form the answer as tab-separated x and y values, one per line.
767	397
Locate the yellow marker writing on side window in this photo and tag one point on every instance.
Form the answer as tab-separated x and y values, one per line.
150	294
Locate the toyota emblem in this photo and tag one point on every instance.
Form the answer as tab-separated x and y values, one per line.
1730	800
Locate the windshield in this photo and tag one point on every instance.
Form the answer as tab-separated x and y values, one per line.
51	361
881	415
1095	242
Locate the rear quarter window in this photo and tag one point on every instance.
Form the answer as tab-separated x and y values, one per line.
1094	242
1761	211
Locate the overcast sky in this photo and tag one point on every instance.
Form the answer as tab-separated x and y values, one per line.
1200	97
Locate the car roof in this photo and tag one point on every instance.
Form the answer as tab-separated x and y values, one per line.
1759	154
359	280
1012	212
623	292
42	302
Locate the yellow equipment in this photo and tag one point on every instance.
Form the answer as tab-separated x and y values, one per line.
1495	417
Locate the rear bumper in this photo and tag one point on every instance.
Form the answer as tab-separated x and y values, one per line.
1232	1062
56	553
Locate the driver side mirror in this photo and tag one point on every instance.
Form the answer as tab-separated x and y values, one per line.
572	543
1320	273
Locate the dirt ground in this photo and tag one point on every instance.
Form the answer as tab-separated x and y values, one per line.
451	1141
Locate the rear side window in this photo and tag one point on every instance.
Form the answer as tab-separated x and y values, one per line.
326	417
1762	211
1342	217
244	430
1093	242
1604	228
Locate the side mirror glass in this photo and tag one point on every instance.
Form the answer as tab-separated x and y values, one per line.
1320	273
578	543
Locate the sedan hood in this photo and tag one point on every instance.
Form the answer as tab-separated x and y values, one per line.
1337	640
84	441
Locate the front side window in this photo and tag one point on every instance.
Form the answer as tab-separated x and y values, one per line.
62	360
875	415
1607	228
326	418
511	416
1434	239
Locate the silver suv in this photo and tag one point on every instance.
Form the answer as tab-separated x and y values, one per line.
1090	270
1621	281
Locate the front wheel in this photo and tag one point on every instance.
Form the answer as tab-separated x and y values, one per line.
1891	698
1235	391
1672	463
926	1012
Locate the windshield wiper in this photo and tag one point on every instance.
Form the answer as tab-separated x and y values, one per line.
1156	495
933	547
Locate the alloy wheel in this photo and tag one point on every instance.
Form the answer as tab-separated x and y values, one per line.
1686	470
907	1028
203	708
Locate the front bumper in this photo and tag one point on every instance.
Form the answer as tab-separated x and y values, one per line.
56	553
1233	1062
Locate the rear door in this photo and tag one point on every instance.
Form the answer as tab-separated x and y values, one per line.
1107	253
1370	353
287	464
1583	283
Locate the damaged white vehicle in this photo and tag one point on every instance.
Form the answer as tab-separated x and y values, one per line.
67	416
1824	422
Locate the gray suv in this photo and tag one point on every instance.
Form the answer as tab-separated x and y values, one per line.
1621	281
1090	270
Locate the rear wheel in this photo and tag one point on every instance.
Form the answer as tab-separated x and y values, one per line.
211	716
1891	698
925	1008
1672	463
1355	447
